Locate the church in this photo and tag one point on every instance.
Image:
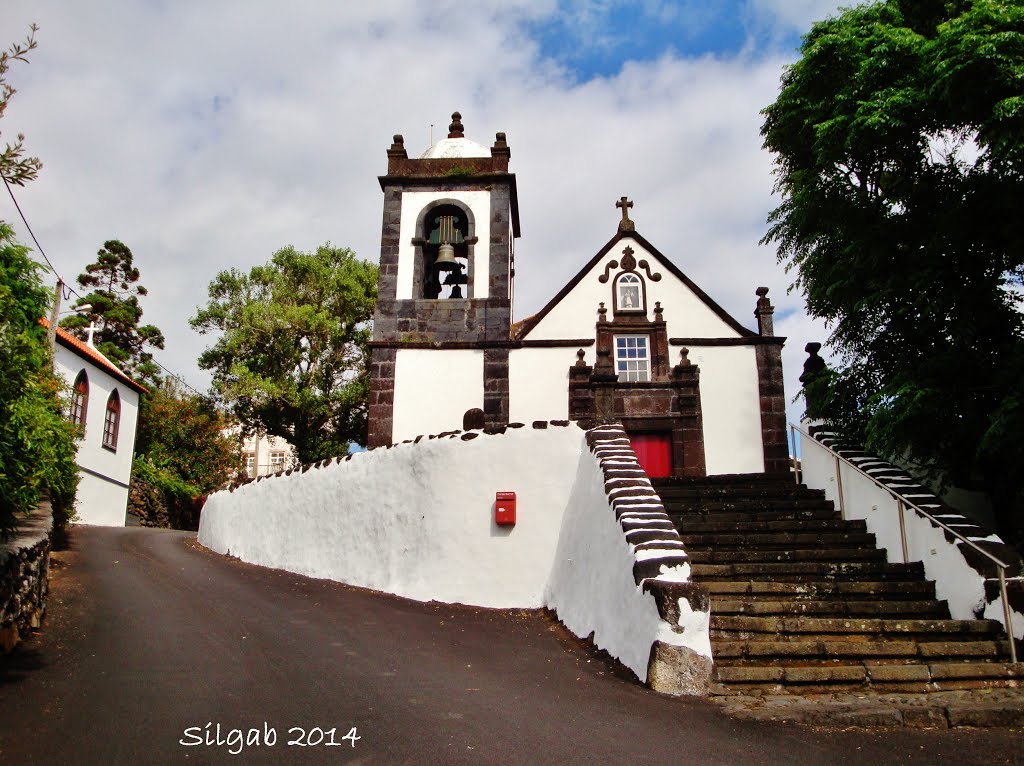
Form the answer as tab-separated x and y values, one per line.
630	338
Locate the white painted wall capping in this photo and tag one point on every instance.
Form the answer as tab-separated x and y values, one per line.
417	520
970	593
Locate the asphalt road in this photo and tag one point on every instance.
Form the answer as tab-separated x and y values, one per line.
152	641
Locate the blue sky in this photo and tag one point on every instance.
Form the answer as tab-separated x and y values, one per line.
208	135
596	40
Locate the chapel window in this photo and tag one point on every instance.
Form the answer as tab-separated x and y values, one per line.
632	360
629	293
446	253
112	421
80	399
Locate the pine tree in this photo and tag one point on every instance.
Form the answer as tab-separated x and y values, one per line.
114	297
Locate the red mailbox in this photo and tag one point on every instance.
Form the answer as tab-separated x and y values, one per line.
505	509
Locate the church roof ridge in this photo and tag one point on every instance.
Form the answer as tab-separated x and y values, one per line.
630	233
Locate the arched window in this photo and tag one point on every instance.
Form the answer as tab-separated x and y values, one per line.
629	293
112	421
445	267
80	399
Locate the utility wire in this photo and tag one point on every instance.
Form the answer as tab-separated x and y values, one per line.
68	290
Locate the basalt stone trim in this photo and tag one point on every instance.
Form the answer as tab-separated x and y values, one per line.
897	480
382	397
25	577
496	387
773	408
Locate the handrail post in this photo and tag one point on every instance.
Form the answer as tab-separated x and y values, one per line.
839	486
1007	614
903	529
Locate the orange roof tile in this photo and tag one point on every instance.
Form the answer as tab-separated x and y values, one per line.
91	353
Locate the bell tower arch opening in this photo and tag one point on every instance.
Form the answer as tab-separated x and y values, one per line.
445	251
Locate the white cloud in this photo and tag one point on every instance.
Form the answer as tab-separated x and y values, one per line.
206	136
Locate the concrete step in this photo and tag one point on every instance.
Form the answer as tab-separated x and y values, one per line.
703	525
824	589
876	677
804	571
776	540
754	517
719	492
926	609
746	504
805	554
729	480
745	627
740	652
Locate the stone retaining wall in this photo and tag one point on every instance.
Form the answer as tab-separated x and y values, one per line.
24	577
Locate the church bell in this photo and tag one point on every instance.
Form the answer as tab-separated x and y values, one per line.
445	258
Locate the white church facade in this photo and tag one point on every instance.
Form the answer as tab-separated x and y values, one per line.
105	407
630	338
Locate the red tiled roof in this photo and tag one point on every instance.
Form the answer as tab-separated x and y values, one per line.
90	353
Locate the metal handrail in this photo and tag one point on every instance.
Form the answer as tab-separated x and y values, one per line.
901	504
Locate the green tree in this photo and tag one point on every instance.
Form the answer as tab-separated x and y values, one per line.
114	297
37	449
184	434
899	147
181	455
292	359
15	167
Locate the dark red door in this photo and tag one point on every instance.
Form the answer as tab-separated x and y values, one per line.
654	451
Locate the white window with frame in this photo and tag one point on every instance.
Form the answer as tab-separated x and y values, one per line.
250	464
277	461
632	358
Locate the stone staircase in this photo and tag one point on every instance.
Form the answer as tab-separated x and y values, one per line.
804	602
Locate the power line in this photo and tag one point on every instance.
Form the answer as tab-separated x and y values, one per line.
68	290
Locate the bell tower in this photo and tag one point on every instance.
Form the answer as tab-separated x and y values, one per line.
444	305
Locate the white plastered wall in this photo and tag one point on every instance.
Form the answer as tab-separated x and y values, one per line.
416	520
102	501
433	390
730	404
538	383
730	399
99	502
956	581
413	203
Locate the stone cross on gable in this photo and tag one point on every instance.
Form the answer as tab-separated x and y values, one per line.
91	329
625	224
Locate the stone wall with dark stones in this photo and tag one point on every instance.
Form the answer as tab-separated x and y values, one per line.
24	577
